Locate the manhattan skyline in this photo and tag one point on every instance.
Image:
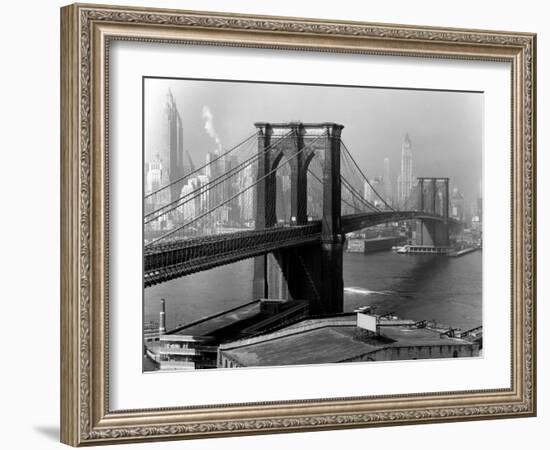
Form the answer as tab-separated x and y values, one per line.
445	128
277	193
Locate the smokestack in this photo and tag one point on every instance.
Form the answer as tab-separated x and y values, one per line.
162	317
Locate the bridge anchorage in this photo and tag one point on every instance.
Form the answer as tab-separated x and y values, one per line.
228	211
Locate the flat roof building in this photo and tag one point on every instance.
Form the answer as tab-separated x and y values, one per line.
344	338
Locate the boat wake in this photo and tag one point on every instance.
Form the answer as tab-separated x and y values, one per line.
363	291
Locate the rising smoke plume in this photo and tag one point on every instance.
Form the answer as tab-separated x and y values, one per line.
208	118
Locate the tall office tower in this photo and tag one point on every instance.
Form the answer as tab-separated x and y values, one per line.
479	202
196	203
387	182
172	155
230	188
189	208
457	205
203	200
246	199
405	179
215	170
155	178
369	191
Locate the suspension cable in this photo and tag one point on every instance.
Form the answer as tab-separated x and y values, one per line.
364	176
200	168
352	190
205	188
344	201
352	174
358	195
234	196
211	184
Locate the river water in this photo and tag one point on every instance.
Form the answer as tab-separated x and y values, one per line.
447	290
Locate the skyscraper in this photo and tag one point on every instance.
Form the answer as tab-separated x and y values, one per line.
214	171
387	182
196	201
155	177
172	155
246	199
457	205
405	178
230	188
376	184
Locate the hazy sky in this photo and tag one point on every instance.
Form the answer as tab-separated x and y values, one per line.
445	128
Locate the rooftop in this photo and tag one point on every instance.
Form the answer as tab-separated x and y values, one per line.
328	340
322	345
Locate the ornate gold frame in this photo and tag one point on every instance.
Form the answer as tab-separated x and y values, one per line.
85	33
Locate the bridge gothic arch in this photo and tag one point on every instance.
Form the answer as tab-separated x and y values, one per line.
281	274
433	198
295	145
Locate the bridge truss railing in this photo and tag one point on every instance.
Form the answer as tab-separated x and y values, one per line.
178	258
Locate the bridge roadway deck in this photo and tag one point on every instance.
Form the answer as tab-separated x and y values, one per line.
167	261
172	260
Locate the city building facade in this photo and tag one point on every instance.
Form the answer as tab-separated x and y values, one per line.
405	178
457	205
388	194
370	191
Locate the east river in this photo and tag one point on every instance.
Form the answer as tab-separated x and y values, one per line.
447	290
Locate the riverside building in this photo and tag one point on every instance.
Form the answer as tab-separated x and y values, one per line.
348	337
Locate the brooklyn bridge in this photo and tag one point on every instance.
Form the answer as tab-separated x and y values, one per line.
297	247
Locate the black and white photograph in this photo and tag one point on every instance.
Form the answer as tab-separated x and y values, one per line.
292	224
275	225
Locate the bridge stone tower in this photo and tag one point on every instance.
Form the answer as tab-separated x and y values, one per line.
433	198
311	272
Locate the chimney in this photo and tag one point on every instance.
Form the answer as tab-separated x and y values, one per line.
162	317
